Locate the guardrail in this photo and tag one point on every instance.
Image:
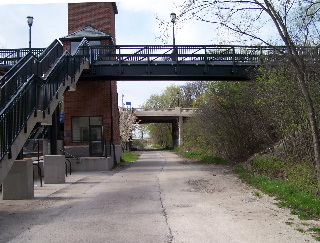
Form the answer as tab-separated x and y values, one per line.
184	53
178	111
9	57
166	109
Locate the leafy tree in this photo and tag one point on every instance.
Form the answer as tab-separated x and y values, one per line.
173	96
295	22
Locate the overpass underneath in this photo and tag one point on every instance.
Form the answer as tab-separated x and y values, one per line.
176	116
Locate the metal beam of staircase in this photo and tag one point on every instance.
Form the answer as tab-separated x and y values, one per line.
29	97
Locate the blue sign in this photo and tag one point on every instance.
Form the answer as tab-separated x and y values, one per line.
128	103
61	118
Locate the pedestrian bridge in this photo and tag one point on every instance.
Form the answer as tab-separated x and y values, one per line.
34	80
162	115
176	116
163	62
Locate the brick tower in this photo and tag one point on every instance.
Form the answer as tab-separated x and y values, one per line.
91	111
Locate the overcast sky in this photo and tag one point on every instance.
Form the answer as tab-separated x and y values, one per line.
136	23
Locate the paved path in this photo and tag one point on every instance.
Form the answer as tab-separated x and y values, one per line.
160	198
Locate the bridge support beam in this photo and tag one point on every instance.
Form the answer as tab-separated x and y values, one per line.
18	184
175	134
177	131
180	141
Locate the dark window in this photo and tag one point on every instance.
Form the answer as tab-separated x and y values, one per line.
75	44
85	128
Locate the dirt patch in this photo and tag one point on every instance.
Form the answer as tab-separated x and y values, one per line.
201	185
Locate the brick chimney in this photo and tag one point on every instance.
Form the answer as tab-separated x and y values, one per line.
99	15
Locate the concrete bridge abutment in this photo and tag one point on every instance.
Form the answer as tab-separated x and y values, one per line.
18	184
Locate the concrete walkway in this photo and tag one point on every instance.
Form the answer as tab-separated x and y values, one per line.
159	198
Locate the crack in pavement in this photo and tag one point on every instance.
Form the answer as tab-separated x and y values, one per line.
170	237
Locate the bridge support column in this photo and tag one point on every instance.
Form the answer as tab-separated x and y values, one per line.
180	141
18	184
54	169
175	134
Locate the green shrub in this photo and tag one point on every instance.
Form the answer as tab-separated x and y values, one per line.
191	155
305	204
303	176
129	157
206	158
139	143
268	166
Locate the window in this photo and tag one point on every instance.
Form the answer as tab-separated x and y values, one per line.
75	44
85	128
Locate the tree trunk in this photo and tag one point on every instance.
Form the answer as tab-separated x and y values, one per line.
312	120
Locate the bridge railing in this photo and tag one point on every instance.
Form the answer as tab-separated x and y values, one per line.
163	109
205	53
10	57
177	110
152	53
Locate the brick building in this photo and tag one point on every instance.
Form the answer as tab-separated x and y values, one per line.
91	111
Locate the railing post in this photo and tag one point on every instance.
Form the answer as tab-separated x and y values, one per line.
119	58
148	58
233	60
205	71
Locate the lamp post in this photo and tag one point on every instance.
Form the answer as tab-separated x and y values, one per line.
173	21
30	22
178	95
174	52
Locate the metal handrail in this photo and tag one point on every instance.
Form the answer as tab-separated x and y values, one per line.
10	57
16	113
36	94
207	53
25	68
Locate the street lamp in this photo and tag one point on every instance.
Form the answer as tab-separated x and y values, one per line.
30	22
173	21
178	95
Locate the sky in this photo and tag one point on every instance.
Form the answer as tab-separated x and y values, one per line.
136	24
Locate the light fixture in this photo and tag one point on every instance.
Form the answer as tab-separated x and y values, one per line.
173	17
30	22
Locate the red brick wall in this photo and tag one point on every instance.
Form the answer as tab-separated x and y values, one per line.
92	98
100	15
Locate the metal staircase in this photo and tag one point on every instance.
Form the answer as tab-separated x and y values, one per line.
31	90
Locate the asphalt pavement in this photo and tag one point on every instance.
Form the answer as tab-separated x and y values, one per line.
159	198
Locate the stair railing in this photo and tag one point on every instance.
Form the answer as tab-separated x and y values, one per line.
25	68
35	94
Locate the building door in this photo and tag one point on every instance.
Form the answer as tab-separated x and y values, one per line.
96	142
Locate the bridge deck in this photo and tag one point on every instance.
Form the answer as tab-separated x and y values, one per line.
173	70
162	115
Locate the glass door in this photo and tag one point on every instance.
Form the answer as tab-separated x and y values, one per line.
96	141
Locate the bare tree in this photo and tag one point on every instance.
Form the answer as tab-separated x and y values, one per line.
292	22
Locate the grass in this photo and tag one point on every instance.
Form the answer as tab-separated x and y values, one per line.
316	231
304	204
206	158
129	157
156	146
